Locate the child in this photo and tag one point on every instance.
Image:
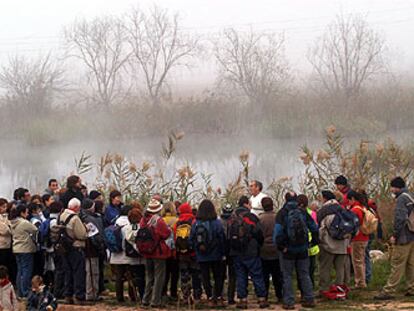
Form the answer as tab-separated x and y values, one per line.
40	299
8	300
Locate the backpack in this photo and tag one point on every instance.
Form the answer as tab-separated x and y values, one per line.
369	222
59	237
345	224
44	230
296	227
130	250
113	238
410	219
204	237
147	240
239	231
182	236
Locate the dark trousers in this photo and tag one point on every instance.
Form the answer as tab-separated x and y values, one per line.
189	274
230	274
101	274
271	268
245	267
135	275
59	281
75	274
8	260
172	275
216	267
38	263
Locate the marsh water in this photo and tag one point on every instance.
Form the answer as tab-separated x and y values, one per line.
32	166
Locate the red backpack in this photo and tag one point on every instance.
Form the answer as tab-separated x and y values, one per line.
147	239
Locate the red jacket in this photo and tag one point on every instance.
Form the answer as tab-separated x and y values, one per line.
345	201
185	215
357	209
163	232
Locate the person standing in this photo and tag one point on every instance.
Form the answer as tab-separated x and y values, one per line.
402	241
113	210
359	242
269	253
246	239
73	190
291	235
208	240
74	259
151	241
6	255
255	188
24	247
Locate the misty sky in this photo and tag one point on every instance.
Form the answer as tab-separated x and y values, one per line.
34	27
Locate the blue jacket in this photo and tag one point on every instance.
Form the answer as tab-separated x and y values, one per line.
217	250
111	213
280	236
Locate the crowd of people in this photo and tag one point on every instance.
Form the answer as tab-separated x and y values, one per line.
57	247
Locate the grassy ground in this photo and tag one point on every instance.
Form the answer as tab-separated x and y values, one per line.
358	300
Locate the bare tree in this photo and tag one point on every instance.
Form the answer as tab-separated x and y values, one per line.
100	45
31	84
158	46
254	63
348	55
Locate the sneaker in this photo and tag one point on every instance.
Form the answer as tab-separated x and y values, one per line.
263	303
409	295
242	304
383	296
288	307
309	304
231	302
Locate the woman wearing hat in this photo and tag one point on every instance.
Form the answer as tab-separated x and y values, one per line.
151	243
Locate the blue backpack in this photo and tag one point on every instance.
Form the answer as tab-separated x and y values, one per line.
344	225
113	238
297	230
44	230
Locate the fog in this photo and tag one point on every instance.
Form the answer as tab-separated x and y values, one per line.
54	104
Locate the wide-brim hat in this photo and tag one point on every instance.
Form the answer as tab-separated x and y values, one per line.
154	206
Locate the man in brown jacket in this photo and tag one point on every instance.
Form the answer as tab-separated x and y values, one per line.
269	252
74	259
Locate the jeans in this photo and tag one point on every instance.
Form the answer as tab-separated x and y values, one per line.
271	268
171	277
155	270
217	268
245	267
24	273
302	270
75	274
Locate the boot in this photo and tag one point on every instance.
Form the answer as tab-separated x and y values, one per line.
242	304
263	303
